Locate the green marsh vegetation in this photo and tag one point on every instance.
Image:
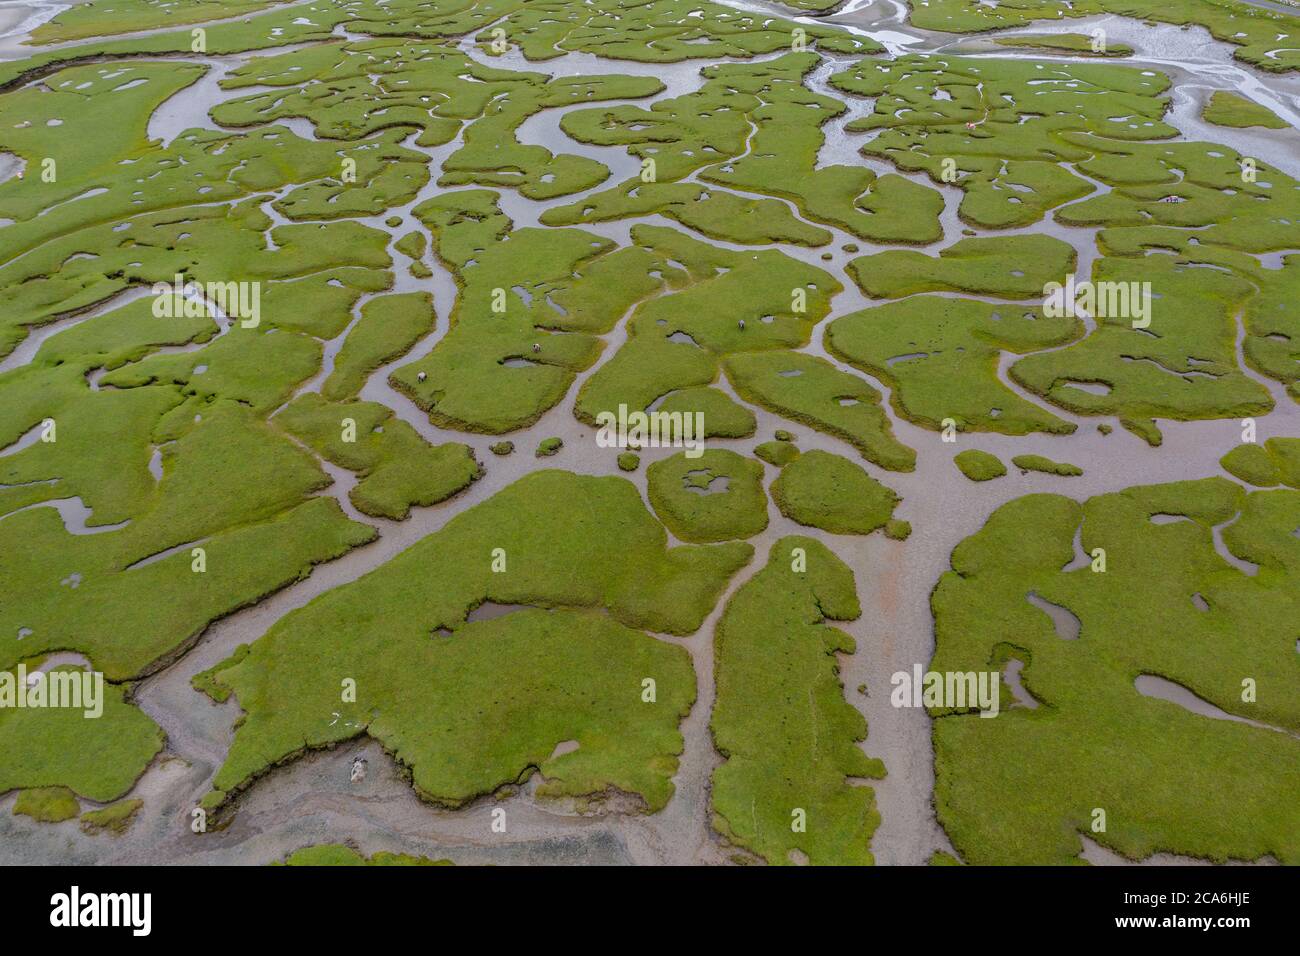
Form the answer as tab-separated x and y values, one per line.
47	804
1066	43
1023	787
940	355
691	133
1005	125
397	468
1228	109
1047	466
719	303
52	753
389	325
1275	462
778	453
979	465
116	818
788	737
337	854
810	390
593	567
683	493
1254	31
827	491
161	419
1010	267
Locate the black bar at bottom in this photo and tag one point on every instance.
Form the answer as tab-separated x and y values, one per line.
360	907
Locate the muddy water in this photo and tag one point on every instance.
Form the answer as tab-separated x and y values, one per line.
18	20
312	799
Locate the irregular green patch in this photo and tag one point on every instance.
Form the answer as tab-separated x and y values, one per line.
60	747
540	678
782	160
711	212
1253	465
396	466
1066	43
412	245
940	356
1022	787
1011	267
1179	361
490	154
1046	466
1002	131
979	465
521	327
722	302
788	737
1161	189
551	539
811	390
389	325
660	31
65	250
86	20
115	818
1229	109
222	369
708	132
722	417
1255	31
209	553
1276	462
897	530
778	453
47	804
337	854
683	493
826	491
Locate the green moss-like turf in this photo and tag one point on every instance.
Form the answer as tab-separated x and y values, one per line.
681	492
1021	788
1276	462
979	465
388	327
826	491
811	390
1064	43
788	737
59	747
115	818
778	453
396	466
337	854
1229	109
47	804
941	357
575	544
1046	466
